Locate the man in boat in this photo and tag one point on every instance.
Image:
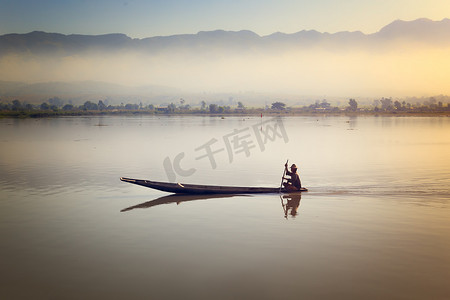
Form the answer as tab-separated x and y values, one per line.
293	183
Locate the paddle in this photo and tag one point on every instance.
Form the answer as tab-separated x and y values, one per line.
284	173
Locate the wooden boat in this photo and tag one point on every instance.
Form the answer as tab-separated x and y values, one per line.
179	188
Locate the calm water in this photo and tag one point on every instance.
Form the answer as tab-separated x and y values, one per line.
374	225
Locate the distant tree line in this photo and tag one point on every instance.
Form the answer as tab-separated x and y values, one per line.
388	105
56	106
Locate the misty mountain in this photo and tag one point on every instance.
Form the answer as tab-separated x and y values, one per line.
38	42
420	31
404	58
423	30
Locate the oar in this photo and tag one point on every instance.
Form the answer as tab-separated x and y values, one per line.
284	173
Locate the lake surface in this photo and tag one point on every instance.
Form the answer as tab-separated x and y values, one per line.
375	223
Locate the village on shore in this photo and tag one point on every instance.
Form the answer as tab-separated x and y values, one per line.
56	107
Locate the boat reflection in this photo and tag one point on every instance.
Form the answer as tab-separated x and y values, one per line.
289	202
292	204
175	198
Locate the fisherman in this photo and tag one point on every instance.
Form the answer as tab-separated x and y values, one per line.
293	183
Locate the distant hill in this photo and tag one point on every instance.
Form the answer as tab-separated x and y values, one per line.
424	30
421	30
404	58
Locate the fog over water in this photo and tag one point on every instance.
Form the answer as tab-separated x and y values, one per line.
408	71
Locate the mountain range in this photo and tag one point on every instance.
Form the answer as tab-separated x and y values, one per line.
423	31
404	58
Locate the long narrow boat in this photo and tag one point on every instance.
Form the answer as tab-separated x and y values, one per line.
179	188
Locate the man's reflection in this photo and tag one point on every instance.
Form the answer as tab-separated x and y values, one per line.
290	203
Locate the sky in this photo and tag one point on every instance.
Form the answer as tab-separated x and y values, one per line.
140	19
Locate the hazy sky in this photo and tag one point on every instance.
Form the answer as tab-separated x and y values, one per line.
139	18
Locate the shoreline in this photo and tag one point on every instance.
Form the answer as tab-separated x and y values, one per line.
55	114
